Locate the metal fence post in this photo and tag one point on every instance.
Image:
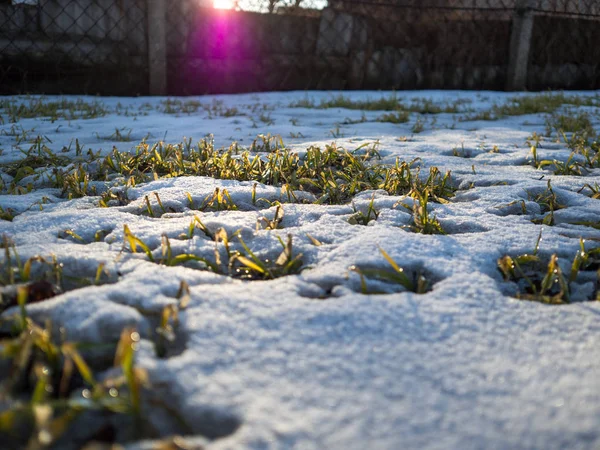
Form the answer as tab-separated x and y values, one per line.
157	47
520	43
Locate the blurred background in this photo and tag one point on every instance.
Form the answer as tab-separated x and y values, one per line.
185	47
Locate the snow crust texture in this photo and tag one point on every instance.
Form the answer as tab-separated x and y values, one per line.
310	360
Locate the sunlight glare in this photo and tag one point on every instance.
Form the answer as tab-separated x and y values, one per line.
223	4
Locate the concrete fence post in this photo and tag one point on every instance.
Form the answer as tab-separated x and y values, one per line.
157	47
520	43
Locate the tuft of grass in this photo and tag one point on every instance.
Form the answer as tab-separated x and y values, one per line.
51	385
570	123
336	132
416	282
594	190
541	103
267	143
545	103
583	144
569	167
462	152
166	331
333	175
548	202
40	107
120	135
381	104
361	218
304	103
249	266
396	117
176	106
390	103
220	200
422	222
418	126
545	281
167	258
7	214
271	224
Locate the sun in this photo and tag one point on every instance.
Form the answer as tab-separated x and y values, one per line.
223	4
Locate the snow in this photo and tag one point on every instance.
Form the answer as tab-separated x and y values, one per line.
307	361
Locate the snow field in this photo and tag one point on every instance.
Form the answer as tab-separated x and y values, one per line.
325	358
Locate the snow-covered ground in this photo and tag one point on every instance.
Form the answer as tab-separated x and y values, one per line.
308	360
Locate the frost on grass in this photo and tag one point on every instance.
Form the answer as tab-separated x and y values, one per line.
251	271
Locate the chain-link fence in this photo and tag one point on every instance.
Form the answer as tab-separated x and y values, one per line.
73	46
565	45
214	46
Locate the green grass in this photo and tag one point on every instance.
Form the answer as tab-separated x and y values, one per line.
333	175
397	117
233	258
390	103
543	280
572	166
394	274
176	106
418	126
571	122
422	222
216	108
40	107
548	202
364	218
52	384
544	103
120	135
592	191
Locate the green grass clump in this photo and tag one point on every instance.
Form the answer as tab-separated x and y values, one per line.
176	106
428	106
362	218
422	222
548	202
39	155
594	190
541	103
397	117
415	282
248	266
390	103
333	174
586	145
7	214
120	135
36	107
50	386
240	262
545	103
570	123
216	108
569	167
41	277
544	281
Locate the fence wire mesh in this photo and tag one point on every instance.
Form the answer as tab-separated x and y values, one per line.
565	46
216	46
72	46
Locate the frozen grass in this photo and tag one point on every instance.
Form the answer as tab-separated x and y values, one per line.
241	290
